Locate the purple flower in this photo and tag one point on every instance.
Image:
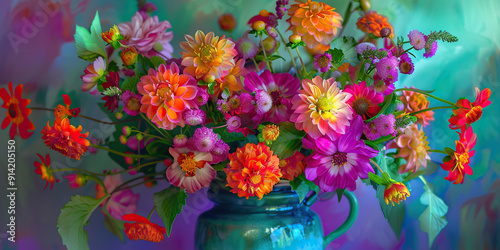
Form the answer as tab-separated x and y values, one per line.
146	9
264	102
281	9
364	46
430	50
194	117
204	139
91	149
387	68
202	97
281	87
405	64
384	124
220	152
417	39
246	48
370	131
323	62
233	123
337	164
132	102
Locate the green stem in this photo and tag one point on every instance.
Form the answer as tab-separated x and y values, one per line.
423	180
289	52
118	152
76	169
427	94
146	134
150	213
137	168
429	109
156	127
265	54
374	163
89	118
301	61
347	15
256	64
437	151
120	187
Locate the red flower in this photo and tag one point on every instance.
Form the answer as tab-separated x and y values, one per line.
43	169
142	229
111	91
17	113
458	163
61	112
467	112
66	139
395	192
227	22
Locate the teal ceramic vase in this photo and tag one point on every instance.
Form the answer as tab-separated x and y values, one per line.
277	221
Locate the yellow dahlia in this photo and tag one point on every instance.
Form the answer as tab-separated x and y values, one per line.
253	170
320	108
315	22
207	55
412	145
231	80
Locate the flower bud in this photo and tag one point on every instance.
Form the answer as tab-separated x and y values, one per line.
123	139
208	78
180	140
365	5
258	25
227	22
295	39
139	137
126	130
385	32
119	115
129	56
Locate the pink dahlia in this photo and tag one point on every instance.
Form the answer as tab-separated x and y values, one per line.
412	145
364	100
92	74
337	164
417	39
132	102
320	108
280	87
190	169
121	202
166	94
148	36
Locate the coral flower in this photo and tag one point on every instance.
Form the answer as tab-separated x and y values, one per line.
231	80
467	112
166	94
320	108
148	36
43	169
364	100
17	113
93	72
129	56
142	229
190	169
66	139
414	102
412	145
76	180
253	170
121	202
371	22
112	35
458	165
395	192
337	164
207	55
292	166
315	22
227	22
61	112
280	87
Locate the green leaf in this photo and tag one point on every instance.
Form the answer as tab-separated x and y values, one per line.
142	66
340	192
115	226
74	216
288	141
211	88
131	84
337	57
375	178
112	66
275	57
157	61
158	147
393	214
311	184
169	203
300	187
221	165
90	45
347	45
389	106
393	167
432	220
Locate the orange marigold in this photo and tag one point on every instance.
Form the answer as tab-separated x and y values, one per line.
371	22
414	102
253	170
142	229
292	166
66	139
315	22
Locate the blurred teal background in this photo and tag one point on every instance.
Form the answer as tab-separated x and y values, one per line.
44	60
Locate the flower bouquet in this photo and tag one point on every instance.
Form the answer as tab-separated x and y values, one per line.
248	113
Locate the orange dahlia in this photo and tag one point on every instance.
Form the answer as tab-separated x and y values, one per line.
66	139
414	102
207	55
253	170
166	94
371	22
315	22
142	229
61	112
395	192
43	169
17	113
232	80
292	166
412	145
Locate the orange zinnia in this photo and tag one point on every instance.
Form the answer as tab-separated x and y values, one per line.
414	102
61	112
142	229
66	139
253	170
17	113
372	23
315	22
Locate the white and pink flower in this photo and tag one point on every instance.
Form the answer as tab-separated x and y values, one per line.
191	169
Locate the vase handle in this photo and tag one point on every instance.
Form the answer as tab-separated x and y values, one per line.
353	214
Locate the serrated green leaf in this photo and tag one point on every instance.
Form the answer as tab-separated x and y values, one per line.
337	57
90	45
115	226
393	214
131	84
221	165
347	45
300	187
73	217
432	220
142	66
288	141
169	204
156	61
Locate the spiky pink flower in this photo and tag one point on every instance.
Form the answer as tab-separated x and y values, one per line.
204	139
417	39
264	102
430	50
370	131
384	124
405	64
387	68
194	117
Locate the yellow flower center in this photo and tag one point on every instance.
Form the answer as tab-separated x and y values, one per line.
164	92
188	163
282	163
324	104
234	103
133	104
323	61
463	158
256	179
207	53
270	132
